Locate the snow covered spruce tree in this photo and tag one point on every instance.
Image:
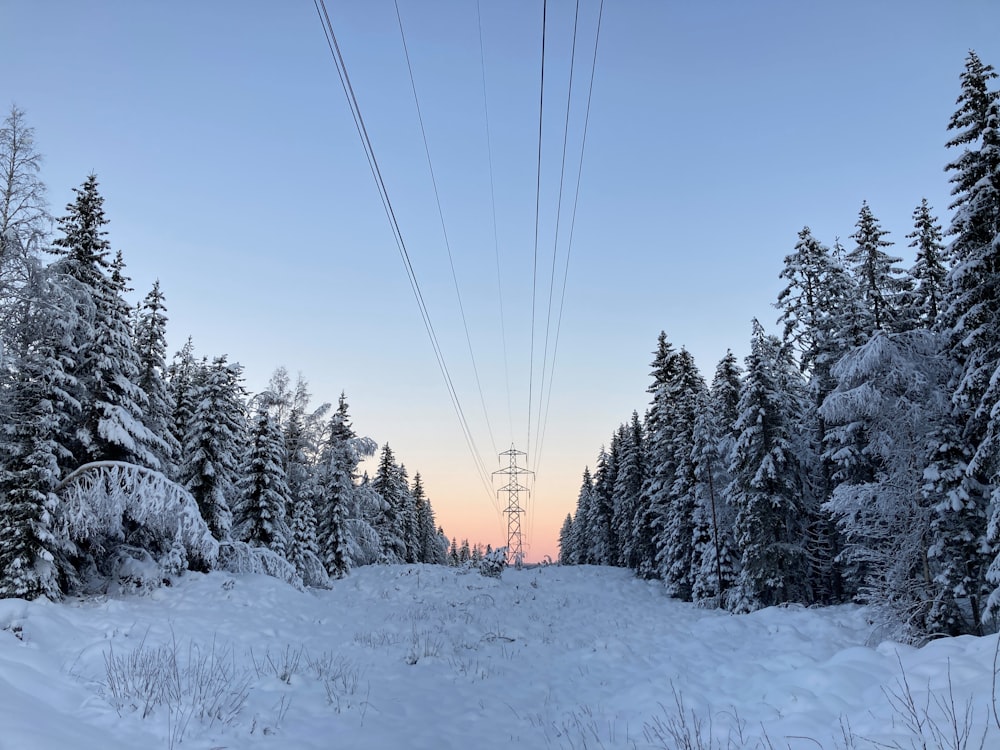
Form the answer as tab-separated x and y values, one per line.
882	284
627	491
658	477
214	443
930	267
392	487
672	454
767	488
428	541
824	315
262	491
581	546
600	524
151	348
106	364
896	386
336	498
967	473
714	439
38	412
566	541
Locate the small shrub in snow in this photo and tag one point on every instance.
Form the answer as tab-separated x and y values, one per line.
283	664
241	558
493	563
203	684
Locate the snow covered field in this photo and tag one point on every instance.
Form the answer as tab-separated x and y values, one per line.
432	657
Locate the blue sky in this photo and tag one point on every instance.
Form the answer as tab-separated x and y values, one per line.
232	172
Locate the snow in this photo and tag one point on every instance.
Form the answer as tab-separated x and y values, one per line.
431	657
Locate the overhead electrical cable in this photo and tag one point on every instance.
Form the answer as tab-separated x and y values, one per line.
538	198
444	229
331	39
555	243
493	213
572	224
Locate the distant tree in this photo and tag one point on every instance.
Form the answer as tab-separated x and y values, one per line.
582	545
627	491
214	443
600	524
259	515
151	348
428	547
930	268
566	556
337	495
390	485
881	282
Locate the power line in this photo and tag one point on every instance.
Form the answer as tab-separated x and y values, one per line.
538	197
572	225
444	230
331	39
493	212
555	243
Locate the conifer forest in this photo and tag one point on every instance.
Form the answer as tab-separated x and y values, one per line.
118	464
855	455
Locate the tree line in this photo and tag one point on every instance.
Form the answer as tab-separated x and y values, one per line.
854	457
183	467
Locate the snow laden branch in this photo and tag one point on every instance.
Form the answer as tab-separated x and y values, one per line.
105	499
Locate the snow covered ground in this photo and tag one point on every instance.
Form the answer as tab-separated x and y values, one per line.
431	657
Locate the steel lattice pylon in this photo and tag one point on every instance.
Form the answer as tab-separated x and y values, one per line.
513	488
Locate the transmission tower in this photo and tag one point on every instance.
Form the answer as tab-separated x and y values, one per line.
513	488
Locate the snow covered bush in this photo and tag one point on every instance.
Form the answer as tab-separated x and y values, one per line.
110	511
242	558
493	563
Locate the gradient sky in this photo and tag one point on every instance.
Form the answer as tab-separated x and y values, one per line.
232	172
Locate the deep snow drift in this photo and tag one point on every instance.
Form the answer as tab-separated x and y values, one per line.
431	657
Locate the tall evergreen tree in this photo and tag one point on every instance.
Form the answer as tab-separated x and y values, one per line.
392	489
107	366
683	396
337	492
214	443
39	409
930	267
896	385
259	515
659	478
566	542
151	348
601	526
428	547
627	491
971	322
881	282
581	546
714	439
767	489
